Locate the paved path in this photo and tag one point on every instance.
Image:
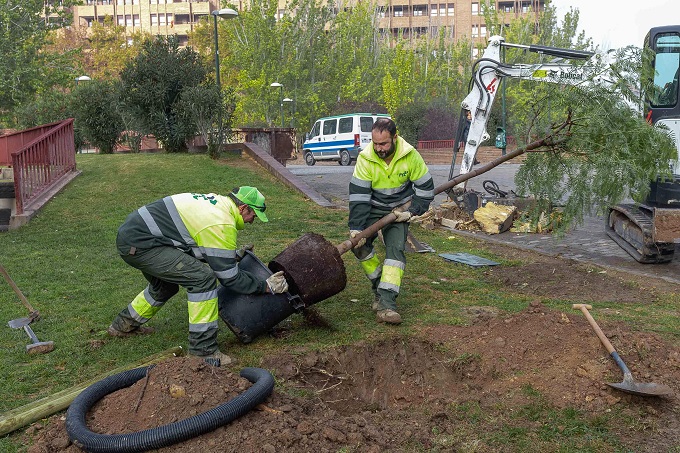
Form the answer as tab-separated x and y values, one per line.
586	243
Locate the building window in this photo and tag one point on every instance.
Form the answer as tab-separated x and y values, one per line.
475	52
475	31
120	20
398	11
450	9
442	9
434	10
136	20
475	9
420	10
482	31
381	11
506	7
280	13
154	19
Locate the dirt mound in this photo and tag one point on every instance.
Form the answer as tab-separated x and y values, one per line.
540	275
404	394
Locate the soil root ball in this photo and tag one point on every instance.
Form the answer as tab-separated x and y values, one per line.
313	267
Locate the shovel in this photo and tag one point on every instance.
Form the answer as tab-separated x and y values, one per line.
628	384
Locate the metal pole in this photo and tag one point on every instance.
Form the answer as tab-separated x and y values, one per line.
283	123
503	107
217	55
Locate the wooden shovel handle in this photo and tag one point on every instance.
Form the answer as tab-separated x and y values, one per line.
584	308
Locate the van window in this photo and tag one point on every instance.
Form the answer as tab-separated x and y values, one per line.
316	129
330	126
345	125
366	123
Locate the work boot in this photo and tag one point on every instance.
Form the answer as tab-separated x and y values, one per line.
376	303
141	330
388	316
217	358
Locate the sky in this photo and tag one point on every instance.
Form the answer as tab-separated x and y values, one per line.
619	23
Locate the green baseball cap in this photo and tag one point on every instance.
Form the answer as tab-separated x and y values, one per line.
252	197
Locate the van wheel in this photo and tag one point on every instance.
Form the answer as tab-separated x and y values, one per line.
345	158
309	159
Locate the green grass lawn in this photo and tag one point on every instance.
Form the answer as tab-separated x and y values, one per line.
65	262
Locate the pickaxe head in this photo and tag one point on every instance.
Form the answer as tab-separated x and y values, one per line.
36	346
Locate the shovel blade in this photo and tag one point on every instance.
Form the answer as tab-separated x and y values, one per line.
642	389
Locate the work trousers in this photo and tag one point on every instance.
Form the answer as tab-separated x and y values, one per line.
385	277
166	269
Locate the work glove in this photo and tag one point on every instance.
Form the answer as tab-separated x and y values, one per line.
277	283
422	218
241	252
361	242
402	216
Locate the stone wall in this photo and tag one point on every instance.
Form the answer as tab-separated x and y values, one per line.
444	155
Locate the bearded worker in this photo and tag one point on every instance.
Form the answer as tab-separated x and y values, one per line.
389	172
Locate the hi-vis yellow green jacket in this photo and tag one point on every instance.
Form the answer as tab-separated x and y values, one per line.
204	225
380	186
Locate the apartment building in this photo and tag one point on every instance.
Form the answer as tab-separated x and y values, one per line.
458	18
410	18
158	17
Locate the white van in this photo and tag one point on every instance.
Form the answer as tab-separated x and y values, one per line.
339	137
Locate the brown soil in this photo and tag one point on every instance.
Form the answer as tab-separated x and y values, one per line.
420	394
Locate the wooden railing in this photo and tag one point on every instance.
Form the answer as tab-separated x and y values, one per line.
10	143
42	162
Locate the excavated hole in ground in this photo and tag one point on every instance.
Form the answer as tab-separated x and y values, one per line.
390	374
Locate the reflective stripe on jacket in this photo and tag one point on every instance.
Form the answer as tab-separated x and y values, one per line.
204	225
376	184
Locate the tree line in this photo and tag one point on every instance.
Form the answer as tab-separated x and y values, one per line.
329	61
594	152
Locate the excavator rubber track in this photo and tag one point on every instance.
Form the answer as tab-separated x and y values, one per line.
631	226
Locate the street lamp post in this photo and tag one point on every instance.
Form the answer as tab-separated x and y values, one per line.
274	85
225	13
292	118
82	78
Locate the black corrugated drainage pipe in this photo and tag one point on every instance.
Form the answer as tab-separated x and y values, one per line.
263	384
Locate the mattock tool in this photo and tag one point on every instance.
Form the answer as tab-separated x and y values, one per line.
36	346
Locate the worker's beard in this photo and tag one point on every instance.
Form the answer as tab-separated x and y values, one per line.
388	152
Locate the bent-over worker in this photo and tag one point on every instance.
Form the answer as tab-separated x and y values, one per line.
388	173
189	240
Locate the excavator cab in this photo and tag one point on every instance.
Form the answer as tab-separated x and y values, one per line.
649	231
